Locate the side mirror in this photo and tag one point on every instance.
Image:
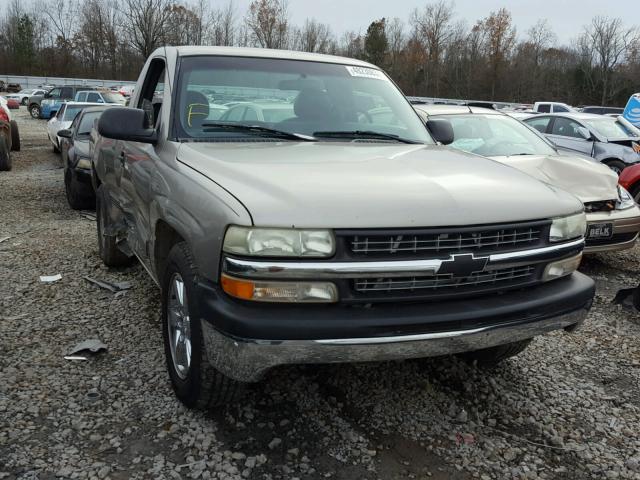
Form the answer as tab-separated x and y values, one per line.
66	133
441	130
129	124
584	133
47	95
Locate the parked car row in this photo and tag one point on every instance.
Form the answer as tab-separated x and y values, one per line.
319	217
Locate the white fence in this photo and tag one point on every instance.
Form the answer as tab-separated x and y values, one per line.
34	82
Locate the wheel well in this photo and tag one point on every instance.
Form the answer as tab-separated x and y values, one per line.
166	237
609	160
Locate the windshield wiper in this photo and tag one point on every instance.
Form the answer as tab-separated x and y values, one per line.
214	126
363	134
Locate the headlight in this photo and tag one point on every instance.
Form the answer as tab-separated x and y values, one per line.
46	102
84	163
625	200
278	242
567	228
562	268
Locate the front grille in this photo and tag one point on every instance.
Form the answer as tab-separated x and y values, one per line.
497	279
426	244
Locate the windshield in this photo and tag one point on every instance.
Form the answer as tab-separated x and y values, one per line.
71	111
86	123
495	136
611	128
112	97
298	97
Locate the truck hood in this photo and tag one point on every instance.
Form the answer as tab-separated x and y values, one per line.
350	185
587	180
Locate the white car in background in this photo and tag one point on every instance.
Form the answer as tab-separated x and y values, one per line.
23	95
63	119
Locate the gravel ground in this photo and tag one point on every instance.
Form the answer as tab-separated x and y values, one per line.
567	408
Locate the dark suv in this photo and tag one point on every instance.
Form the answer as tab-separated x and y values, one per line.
54	96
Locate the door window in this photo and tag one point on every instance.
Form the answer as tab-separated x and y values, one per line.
560	108
55	93
60	113
82	96
152	91
539	124
566	128
544	108
94	97
66	92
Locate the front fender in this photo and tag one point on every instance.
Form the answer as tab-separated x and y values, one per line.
198	209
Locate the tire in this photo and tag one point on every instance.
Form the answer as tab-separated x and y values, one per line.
199	385
491	357
79	195
56	149
24	101
107	248
5	155
34	110
616	165
635	192
15	137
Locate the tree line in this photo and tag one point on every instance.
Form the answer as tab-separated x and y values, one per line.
432	53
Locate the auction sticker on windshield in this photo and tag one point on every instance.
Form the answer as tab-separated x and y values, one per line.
365	72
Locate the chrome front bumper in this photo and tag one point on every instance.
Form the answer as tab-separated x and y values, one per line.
624	221
247	360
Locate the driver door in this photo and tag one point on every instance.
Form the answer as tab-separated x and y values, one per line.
565	133
138	160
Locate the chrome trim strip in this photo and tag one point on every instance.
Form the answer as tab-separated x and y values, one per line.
247	360
269	269
318	270
523	254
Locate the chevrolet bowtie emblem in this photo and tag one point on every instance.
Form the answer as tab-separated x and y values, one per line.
462	265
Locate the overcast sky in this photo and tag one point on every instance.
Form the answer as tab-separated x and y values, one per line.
566	17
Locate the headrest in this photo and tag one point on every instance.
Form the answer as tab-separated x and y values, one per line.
313	104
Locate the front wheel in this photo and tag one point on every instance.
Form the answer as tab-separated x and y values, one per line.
5	155
616	165
79	195
15	136
195	381
492	356
34	111
635	192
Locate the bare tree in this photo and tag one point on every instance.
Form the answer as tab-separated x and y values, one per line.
433	27
147	24
62	15
500	40
223	28
268	21
313	37
609	41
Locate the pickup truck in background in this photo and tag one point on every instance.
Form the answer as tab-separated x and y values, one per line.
100	96
552	107
47	105
337	230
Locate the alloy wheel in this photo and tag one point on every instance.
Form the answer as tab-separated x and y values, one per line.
179	326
